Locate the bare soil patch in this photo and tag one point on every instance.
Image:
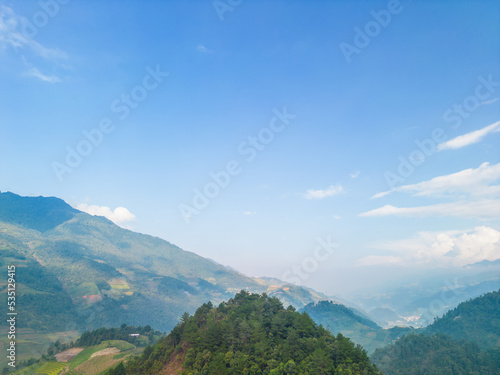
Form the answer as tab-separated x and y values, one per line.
68	354
106	352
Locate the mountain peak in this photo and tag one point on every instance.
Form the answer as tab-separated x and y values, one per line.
38	213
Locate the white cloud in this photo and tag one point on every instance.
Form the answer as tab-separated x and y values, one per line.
469	138
34	72
11	35
383	194
450	248
354	174
320	194
484	208
118	216
471	181
249	213
203	49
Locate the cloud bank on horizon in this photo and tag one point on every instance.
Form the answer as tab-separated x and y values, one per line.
439	249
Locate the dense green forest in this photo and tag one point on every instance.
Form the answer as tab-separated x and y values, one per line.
466	340
418	354
252	334
474	320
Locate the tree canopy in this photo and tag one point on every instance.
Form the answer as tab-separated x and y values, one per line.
252	334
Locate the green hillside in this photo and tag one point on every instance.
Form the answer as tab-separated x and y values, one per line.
340	319
79	272
437	355
38	213
251	334
466	340
475	320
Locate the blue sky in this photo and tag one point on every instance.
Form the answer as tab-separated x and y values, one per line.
314	111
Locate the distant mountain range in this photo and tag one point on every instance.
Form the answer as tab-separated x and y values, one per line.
421	297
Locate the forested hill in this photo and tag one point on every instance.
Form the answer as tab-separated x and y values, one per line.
251	334
434	355
475	320
338	318
343	316
465	341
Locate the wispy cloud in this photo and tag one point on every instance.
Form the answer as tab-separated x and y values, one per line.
119	215
34	72
449	248
249	213
469	138
12	37
485	208
201	48
491	101
354	174
320	194
473	181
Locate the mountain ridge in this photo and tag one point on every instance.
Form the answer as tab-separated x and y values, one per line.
111	273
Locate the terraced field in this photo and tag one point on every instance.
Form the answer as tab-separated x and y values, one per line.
34	344
51	368
90	361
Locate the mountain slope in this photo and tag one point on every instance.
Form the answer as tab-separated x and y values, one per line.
437	349
476	320
111	275
251	334
341	319
439	355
